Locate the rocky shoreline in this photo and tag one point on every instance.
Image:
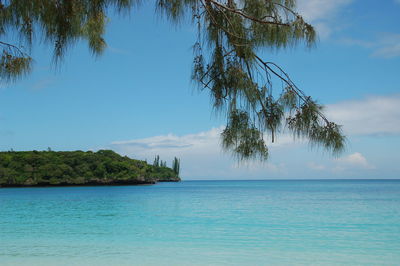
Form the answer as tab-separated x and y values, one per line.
89	184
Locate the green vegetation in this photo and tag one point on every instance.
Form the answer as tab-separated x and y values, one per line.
176	165
159	163
256	96
105	167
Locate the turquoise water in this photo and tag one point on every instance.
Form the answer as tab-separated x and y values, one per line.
203	223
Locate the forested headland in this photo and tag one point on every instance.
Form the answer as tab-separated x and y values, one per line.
69	168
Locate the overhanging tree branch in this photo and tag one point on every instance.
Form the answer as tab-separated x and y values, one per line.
240	83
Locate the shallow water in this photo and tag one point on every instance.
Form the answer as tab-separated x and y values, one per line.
331	222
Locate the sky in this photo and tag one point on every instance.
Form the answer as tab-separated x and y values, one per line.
138	100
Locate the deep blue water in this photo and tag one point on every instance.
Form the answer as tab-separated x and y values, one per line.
332	222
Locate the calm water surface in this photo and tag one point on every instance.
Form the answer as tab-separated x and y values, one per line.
204	223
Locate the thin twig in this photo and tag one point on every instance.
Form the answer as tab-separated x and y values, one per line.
13	47
290	83
239	12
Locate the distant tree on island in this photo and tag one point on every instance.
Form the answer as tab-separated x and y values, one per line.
159	163
176	164
156	162
230	34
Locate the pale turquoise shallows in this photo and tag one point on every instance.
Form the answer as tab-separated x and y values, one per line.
204	223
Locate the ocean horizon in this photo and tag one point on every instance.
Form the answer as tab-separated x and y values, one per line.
219	222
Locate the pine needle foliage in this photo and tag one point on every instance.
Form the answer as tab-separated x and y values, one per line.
230	35
60	23
241	84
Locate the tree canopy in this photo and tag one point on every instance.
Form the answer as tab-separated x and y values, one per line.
230	35
105	167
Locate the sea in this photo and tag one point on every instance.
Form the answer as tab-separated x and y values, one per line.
271	222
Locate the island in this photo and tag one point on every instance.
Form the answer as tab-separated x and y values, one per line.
79	168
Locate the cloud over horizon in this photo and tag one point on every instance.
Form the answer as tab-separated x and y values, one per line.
385	45
203	157
354	160
373	115
322	14
201	154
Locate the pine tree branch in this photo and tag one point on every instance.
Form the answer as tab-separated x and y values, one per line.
290	83
239	12
11	46
288	9
216	23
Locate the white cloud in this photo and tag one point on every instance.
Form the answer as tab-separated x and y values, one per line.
314	10
315	166
256	167
202	156
42	84
375	115
201	142
321	13
195	150
353	161
356	42
323	30
119	51
386	45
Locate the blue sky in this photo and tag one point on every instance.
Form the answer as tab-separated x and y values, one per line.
137	98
